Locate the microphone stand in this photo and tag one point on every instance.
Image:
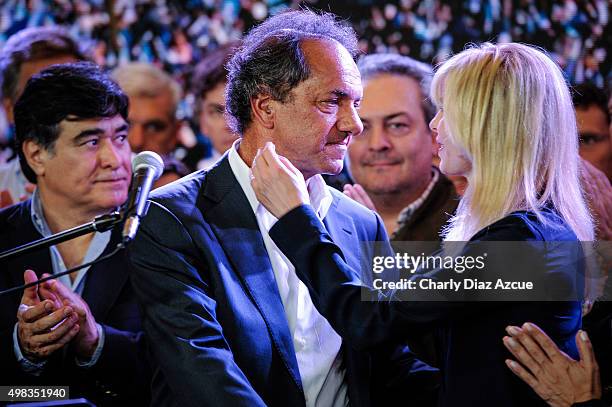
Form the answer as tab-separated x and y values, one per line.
101	223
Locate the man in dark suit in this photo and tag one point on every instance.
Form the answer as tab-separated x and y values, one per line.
228	322
83	329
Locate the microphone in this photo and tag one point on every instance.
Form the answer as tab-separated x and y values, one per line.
147	166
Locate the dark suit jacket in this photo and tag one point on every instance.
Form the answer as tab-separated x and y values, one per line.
474	372
212	311
421	230
122	369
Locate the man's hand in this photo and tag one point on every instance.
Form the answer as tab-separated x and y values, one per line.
555	377
357	193
278	185
42	326
7	200
86	341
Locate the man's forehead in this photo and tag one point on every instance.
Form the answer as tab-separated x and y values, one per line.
390	93
332	66
72	125
161	101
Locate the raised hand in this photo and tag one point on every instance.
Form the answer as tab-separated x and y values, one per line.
357	193
87	338
557	378
278	185
7	200
43	325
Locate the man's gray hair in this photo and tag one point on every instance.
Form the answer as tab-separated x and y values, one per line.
139	79
271	60
33	44
393	64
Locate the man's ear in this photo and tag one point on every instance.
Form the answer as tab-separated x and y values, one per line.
263	110
35	155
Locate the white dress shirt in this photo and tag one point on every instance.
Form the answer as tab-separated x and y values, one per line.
315	342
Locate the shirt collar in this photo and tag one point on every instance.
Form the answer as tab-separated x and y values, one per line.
38	218
407	212
95	249
320	197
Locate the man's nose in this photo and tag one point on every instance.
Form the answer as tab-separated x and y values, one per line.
109	155
136	137
378	139
350	121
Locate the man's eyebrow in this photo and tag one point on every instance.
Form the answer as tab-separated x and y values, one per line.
88	133
216	105
97	131
339	93
395	115
344	94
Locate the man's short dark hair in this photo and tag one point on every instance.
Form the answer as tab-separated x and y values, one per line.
73	91
379	64
33	44
210	72
271	60
587	94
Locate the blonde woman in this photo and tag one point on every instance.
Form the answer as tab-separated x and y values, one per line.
506	123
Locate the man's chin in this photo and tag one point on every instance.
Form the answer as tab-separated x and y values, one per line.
333	168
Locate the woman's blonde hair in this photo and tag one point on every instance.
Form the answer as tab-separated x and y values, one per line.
509	107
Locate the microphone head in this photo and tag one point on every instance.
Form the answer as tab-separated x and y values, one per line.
148	159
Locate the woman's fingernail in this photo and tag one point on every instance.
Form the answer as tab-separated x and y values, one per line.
584	336
512	330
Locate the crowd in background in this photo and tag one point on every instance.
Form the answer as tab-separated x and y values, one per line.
171	58
575	32
176	34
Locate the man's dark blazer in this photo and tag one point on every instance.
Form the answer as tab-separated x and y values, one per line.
212	311
473	368
122	374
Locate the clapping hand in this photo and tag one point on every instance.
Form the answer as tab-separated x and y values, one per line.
87	338
557	378
43	325
357	193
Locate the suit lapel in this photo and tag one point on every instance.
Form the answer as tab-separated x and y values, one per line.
339	225
341	228
231	218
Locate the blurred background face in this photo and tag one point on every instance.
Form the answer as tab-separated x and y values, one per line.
153	125
595	138
29	69
212	119
395	150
